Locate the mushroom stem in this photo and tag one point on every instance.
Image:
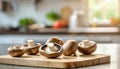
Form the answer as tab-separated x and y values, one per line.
86	42
30	43
52	47
10	48
74	54
16	47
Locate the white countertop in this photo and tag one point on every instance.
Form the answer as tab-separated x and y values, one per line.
112	49
82	30
95	30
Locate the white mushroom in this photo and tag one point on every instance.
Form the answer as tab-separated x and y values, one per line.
87	47
15	51
51	50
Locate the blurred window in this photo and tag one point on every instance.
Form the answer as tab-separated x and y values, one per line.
104	11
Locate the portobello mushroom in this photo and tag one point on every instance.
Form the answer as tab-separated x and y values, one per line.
70	47
51	50
87	47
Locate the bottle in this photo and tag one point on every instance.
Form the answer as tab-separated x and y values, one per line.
73	20
77	20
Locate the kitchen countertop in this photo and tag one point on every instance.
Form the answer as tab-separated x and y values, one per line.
100	30
112	49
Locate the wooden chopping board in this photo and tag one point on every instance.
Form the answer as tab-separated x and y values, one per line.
61	62
66	12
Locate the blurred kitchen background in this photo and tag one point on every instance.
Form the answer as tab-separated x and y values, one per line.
20	20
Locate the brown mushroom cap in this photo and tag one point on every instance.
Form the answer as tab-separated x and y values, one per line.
15	52
32	50
55	40
70	47
87	50
51	55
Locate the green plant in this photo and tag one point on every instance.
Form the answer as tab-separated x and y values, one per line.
26	21
52	16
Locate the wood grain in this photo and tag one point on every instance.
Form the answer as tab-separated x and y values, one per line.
61	62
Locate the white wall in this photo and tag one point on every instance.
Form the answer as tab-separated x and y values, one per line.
26	8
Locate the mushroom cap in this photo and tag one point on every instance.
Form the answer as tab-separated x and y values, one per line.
16	52
51	55
32	50
87	50
55	40
70	47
